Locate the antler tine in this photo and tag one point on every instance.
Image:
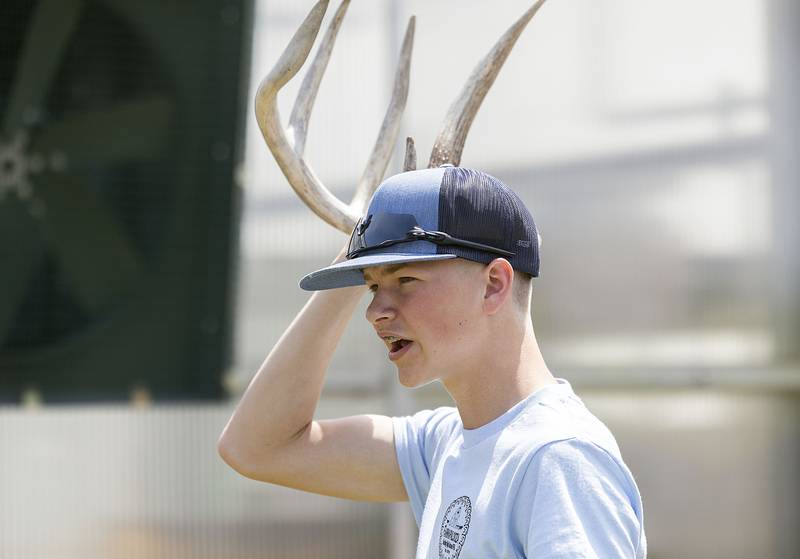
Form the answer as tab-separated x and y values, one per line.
410	163
297	172
304	104
450	142
387	137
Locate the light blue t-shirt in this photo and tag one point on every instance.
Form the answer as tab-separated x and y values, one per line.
543	480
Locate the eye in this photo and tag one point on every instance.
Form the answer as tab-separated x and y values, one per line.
406	279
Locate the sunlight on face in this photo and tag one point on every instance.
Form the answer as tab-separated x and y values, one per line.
435	305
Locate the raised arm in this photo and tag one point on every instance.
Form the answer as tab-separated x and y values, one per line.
272	436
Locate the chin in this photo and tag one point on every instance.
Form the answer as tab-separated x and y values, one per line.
412	381
408	381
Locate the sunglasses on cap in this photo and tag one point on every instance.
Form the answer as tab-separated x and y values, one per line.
386	229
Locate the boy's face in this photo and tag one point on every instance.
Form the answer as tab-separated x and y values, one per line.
434	305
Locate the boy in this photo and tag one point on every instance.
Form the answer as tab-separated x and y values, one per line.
519	468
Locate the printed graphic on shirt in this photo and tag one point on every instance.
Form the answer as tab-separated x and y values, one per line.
454	528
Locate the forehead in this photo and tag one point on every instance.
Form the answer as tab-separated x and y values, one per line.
385	270
439	266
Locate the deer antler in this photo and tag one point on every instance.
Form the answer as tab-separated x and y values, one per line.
289	154
450	142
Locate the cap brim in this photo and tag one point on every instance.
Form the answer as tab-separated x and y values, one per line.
348	273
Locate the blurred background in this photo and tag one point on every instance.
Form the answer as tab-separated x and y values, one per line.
150	251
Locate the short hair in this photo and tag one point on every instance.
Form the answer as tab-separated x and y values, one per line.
522	290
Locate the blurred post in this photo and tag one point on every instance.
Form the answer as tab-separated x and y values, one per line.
783	36
783	43
402	531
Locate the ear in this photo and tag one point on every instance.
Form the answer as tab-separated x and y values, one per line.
499	279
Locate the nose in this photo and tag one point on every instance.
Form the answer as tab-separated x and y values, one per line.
381	308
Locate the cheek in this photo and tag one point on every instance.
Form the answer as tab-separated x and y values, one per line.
449	323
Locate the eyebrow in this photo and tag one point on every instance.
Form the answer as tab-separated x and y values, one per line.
392	268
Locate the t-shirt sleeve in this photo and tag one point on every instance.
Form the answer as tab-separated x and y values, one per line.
581	503
416	439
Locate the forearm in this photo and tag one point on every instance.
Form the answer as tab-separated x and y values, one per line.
282	397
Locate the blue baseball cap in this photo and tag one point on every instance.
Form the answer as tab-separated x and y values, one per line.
436	214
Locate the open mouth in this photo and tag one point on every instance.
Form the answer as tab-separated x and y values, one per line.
400	344
398	348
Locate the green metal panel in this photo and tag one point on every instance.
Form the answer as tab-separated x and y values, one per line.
119	125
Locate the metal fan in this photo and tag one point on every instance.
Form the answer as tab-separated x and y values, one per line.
84	142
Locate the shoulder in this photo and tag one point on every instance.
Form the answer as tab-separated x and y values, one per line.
426	428
580	497
441	417
430	418
428	424
572	450
580	476
559	416
578	460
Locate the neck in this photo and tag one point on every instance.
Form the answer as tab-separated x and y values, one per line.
509	369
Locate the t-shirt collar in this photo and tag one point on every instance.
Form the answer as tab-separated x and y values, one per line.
472	437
